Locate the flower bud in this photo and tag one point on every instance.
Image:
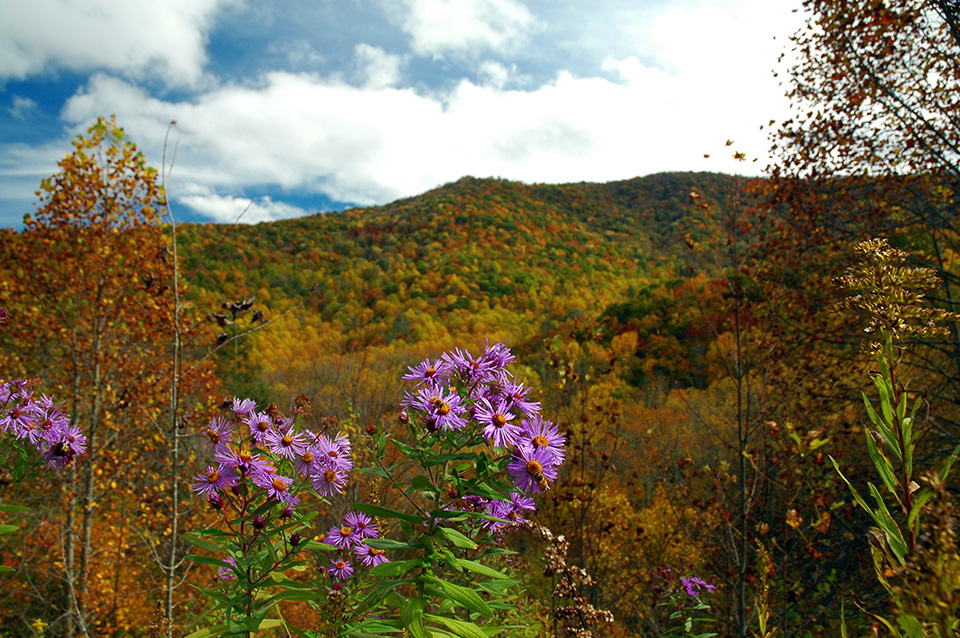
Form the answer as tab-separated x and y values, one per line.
403	417
259	522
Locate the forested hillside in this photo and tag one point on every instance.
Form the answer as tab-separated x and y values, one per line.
685	404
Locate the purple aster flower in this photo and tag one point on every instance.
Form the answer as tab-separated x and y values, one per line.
54	425
363	525
245	462
495	509
277	487
259	424
443	409
225	573
468	367
370	556
217	478
542	434
243	407
62	451
435	373
496	421
498	356
511	511
516	396
693	585
219	434
531	469
521	503
340	569
284	444
308	462
332	455
19	419
328	481
344	537
37	425
342	441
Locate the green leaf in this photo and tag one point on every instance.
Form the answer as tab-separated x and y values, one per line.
856	494
199	543
408	451
317	546
378	595
255	623
209	560
387	543
911	626
882	463
458	627
209	632
480	568
11	509
455	537
913	518
886	523
383	512
411	616
949	463
421	482
8	529
466	597
4	568
395	568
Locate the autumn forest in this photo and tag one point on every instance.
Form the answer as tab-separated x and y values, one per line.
741	396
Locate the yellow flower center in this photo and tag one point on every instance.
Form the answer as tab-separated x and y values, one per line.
499	420
534	467
540	441
341	564
263	426
330	476
307	457
444	408
346	530
279	485
287	440
213	476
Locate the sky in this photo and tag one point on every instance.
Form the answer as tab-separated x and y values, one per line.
285	108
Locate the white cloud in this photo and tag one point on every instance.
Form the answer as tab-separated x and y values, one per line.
444	26
378	68
226	209
134	37
660	108
499	75
21	107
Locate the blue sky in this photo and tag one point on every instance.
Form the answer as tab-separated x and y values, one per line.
289	107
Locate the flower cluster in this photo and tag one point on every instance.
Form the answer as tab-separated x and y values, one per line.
694	584
251	446
462	392
348	538
40	423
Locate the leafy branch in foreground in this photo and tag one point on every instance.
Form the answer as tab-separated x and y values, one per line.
914	542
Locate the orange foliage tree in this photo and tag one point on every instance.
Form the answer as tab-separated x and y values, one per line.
89	278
